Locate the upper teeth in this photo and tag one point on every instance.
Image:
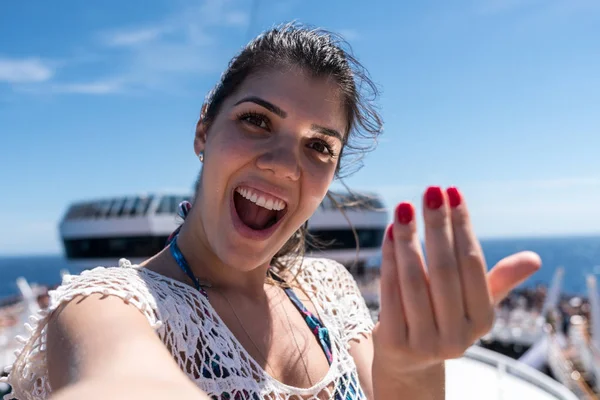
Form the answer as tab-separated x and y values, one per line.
269	204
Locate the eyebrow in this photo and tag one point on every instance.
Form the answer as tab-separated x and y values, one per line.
263	103
327	131
281	113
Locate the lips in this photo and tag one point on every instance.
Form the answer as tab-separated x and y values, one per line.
256	213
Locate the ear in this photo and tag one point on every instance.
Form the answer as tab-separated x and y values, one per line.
201	131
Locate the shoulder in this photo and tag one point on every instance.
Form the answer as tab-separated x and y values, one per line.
86	323
130	283
324	273
320	267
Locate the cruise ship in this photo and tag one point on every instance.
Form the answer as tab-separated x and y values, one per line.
136	227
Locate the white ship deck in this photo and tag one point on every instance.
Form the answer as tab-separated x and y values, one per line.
484	374
517	327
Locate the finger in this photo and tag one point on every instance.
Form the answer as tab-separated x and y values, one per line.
511	272
442	266
391	311
471	263
414	285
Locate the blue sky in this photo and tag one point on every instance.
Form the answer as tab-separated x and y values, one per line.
499	97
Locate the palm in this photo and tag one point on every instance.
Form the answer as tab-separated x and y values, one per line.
430	313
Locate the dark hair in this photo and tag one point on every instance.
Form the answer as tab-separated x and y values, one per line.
321	54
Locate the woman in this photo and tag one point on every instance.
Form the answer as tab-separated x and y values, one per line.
231	303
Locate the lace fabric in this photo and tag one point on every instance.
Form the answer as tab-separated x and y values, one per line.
187	324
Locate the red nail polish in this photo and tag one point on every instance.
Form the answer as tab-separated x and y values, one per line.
405	213
434	197
390	232
454	196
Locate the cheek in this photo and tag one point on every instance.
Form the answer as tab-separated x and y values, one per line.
219	164
317	175
231	148
314	189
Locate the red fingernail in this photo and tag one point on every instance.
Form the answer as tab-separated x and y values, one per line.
390	232
405	213
434	198
454	196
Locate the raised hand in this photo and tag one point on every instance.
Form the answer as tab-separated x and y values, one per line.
435	311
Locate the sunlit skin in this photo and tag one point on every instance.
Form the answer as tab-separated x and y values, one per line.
282	150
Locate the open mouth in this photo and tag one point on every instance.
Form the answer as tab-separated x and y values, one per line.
256	210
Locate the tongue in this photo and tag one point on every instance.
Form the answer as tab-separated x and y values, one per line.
254	216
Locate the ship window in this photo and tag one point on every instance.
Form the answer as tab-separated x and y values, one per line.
80	211
93	209
166	205
116	207
88	210
169	204
134	204
116	245
128	206
70	212
141	246
109	207
174	204
141	207
97	208
73	212
104	208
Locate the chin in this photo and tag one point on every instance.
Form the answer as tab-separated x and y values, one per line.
243	259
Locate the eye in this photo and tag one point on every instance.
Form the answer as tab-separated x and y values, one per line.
322	147
255	119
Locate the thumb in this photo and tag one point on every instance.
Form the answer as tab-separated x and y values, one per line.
510	272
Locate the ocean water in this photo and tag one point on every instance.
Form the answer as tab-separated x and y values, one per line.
578	255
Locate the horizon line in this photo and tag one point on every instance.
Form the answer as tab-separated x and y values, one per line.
583	235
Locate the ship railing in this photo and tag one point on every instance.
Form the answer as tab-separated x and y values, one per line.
596	362
565	372
588	350
580	340
507	366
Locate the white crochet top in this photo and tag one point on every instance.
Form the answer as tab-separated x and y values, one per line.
182	318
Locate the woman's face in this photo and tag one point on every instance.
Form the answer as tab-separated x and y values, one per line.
269	157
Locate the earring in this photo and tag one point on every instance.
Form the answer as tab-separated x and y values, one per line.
201	156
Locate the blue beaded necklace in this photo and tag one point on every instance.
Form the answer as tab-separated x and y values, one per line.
183	264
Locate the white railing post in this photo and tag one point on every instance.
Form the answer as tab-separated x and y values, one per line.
501	368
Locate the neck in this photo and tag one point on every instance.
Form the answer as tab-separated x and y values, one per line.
207	267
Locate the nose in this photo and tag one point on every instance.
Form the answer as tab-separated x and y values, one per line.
281	159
